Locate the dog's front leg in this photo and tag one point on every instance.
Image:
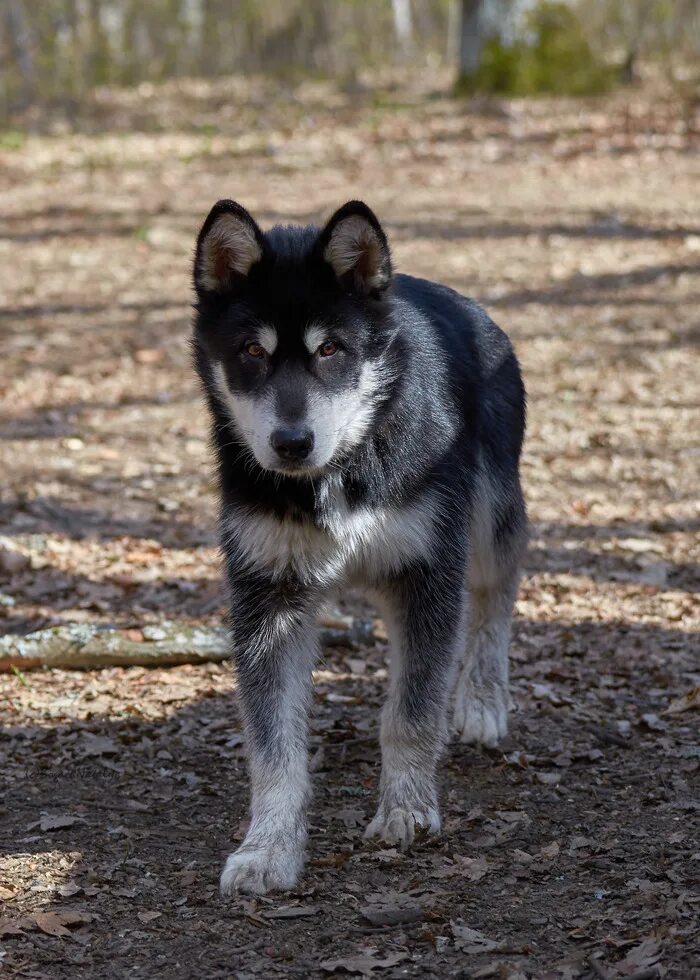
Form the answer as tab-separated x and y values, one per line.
275	648
424	613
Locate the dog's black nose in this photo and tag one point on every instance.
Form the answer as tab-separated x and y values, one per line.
292	444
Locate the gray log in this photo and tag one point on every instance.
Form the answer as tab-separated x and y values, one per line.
168	644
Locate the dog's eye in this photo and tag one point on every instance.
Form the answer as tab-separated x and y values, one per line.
255	350
328	349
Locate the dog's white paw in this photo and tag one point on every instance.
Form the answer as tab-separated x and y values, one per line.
398	825
480	715
258	870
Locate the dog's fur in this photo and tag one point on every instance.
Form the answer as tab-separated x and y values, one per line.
413	400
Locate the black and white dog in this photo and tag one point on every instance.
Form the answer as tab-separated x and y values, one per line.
368	428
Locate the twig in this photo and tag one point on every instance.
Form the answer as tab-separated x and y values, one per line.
370	931
606	737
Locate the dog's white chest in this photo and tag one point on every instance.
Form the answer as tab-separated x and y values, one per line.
365	543
381	541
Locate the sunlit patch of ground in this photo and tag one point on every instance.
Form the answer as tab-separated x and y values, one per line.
578	225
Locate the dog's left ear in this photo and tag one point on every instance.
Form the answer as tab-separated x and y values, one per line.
353	243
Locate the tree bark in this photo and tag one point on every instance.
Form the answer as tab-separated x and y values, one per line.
403	24
471	38
79	646
21	42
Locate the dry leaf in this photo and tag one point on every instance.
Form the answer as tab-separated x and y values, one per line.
653	722
49	822
645	955
187	877
363	964
69	889
291	912
54	923
473	869
335	860
148	916
548	778
687	701
351	818
471	941
391	915
94	745
13	927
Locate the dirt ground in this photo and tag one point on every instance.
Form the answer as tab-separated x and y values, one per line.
571	852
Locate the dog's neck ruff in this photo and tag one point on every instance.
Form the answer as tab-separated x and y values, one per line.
338	542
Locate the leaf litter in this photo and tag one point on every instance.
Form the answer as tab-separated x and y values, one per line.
123	788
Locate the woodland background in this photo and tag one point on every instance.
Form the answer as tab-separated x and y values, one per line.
57	51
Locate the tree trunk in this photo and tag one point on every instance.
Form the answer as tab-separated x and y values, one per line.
21	42
403	24
471	39
99	55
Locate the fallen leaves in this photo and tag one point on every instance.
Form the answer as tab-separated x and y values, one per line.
551	851
644	956
363	963
686	702
13	927
390	907
12	561
548	778
582	833
291	912
351	818
69	889
98	745
472	869
391	915
57	923
146	916
472	941
56	821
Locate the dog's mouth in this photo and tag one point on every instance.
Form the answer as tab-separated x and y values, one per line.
296	468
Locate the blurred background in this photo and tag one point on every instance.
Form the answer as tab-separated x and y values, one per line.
56	52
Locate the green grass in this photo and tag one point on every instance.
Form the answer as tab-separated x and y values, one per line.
12	139
20	676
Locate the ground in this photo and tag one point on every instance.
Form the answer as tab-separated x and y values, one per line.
571	851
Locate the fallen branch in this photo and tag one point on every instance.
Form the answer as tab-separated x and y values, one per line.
79	646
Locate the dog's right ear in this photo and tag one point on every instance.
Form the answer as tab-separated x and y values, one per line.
228	245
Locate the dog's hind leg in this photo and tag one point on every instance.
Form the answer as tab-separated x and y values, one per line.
480	697
424	615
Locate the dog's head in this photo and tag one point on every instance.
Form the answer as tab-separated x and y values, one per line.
292	328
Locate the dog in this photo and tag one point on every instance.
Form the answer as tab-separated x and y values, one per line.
368	429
